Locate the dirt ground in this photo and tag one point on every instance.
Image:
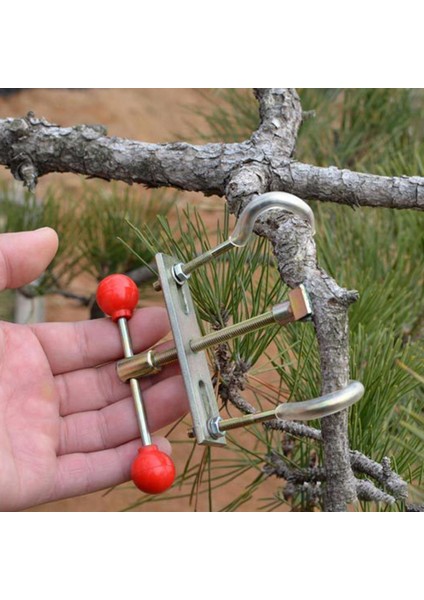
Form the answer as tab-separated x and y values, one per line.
152	115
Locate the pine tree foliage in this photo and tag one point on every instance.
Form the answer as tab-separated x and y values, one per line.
90	228
22	211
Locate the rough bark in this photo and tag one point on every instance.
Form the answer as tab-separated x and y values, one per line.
295	252
342	186
382	473
31	147
308	480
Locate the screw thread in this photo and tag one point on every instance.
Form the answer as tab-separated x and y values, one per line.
149	362
217	337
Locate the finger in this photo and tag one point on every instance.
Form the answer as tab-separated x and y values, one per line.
81	473
71	346
116	424
25	255
95	388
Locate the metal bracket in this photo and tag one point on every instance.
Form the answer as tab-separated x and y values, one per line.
194	366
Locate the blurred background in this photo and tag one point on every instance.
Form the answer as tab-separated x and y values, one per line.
376	251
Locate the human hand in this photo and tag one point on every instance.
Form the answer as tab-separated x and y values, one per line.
68	426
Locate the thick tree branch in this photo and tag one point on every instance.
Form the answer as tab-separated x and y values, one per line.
32	148
295	251
88	151
280	113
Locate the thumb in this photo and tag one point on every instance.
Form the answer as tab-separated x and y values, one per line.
25	255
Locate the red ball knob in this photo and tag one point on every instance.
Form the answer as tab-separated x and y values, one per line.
117	296
152	471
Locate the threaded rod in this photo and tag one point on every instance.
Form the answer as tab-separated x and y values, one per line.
150	362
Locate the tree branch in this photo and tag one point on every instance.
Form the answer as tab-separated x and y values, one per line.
382	473
308	480
280	114
368	492
32	147
87	150
348	187
295	251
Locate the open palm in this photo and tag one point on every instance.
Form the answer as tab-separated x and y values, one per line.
67	425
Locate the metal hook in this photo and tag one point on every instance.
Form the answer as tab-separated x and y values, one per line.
316	408
263	203
244	228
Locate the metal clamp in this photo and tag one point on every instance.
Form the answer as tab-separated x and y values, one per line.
189	348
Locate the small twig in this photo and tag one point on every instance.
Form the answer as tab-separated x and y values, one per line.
415	508
31	291
143	274
294	428
277	466
382	473
367	491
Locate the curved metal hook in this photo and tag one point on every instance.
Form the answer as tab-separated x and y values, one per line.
244	227
263	203
326	405
316	408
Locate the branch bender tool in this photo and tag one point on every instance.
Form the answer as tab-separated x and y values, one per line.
117	295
